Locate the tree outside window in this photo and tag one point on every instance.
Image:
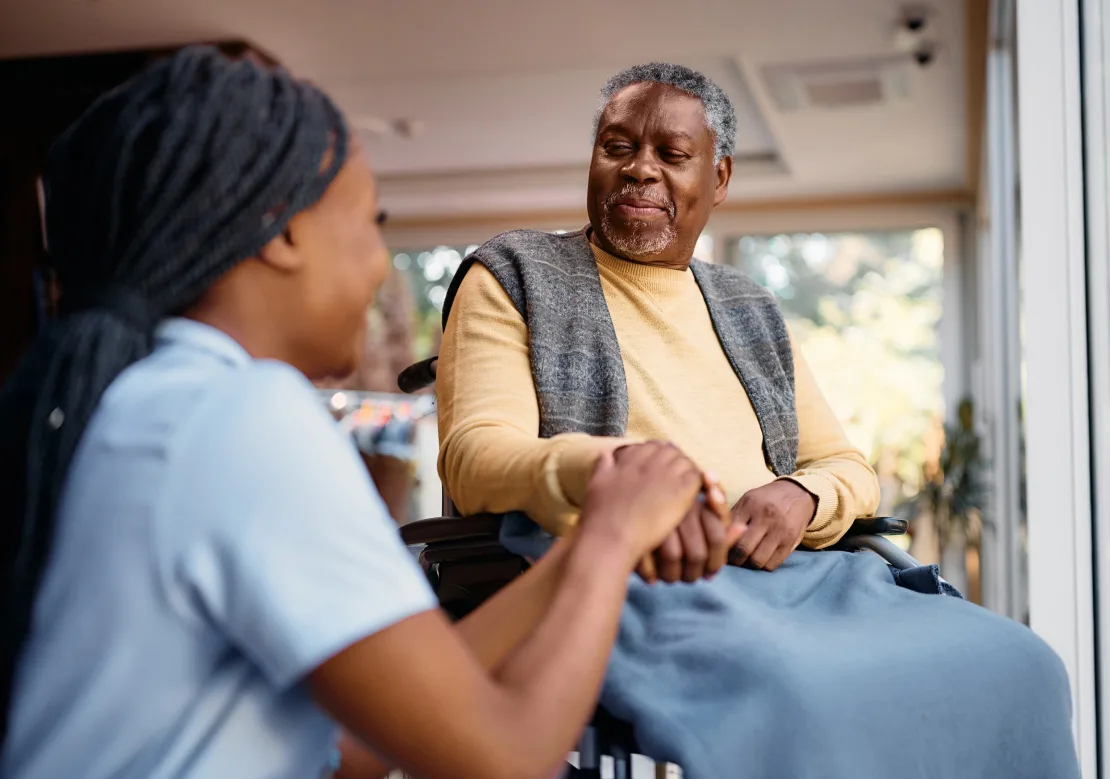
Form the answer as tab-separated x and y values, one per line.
865	308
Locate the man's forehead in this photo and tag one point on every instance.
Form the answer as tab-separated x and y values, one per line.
650	93
682	114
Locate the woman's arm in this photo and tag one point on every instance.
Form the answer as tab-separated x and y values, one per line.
420	695
490	632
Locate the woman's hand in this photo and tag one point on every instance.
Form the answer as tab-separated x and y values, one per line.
639	495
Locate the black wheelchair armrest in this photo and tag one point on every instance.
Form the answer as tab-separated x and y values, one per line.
878	526
419	376
487	527
866	535
438	530
463	559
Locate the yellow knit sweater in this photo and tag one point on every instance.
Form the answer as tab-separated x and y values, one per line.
681	388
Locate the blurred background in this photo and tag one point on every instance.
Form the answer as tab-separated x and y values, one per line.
857	167
923	185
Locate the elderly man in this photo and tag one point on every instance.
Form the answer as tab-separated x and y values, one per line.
701	359
560	347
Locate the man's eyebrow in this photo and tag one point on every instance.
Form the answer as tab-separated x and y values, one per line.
671	135
680	135
614	128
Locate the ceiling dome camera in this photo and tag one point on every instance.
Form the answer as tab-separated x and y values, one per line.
925	55
915	23
914	19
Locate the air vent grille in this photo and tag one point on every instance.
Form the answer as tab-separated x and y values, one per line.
841	84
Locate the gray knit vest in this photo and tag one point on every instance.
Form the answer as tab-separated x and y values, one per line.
577	369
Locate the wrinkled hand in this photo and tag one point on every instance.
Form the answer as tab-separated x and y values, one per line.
773	520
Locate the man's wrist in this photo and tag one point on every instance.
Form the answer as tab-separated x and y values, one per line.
804	494
824	495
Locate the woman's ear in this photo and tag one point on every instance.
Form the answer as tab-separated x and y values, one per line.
282	253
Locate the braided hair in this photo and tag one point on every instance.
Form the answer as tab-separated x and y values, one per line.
159	189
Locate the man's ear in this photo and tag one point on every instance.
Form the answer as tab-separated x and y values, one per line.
281	253
724	176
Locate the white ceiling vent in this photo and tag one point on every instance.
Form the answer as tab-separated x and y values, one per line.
842	84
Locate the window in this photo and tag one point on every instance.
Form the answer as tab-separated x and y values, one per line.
428	273
865	309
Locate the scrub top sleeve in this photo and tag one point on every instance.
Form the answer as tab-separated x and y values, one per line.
295	556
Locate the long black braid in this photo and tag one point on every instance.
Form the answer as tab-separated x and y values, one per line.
164	185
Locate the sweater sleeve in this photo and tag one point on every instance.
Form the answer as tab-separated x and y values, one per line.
491	458
829	467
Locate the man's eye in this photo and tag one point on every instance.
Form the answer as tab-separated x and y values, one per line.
380	217
618	148
674	155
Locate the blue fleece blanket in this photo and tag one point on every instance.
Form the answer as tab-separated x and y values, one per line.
828	668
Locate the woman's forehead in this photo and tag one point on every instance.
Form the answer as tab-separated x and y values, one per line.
354	184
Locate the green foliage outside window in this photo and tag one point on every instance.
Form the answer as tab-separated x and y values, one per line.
865	309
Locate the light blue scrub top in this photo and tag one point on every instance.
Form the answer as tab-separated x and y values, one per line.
218	538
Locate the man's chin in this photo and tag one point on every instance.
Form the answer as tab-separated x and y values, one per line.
638	245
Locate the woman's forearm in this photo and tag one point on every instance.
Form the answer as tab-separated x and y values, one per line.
491	632
521	717
501	623
560	665
417	692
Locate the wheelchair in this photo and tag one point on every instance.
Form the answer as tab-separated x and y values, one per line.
466	564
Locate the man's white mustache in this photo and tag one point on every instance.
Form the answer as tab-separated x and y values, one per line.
639	194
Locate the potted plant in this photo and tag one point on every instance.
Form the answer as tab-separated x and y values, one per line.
954	495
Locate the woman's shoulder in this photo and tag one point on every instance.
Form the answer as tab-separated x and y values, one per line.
265	419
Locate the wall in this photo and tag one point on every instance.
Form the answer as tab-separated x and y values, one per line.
42	97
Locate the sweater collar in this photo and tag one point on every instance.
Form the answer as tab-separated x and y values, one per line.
656	281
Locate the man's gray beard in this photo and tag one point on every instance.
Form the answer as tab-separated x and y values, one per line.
641	242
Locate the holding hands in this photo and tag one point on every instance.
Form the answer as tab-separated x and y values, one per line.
685	512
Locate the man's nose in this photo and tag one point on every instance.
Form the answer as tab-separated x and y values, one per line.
643	168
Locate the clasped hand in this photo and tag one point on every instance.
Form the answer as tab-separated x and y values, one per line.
760	531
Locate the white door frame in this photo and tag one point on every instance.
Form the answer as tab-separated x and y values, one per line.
1096	100
997	371
1054	299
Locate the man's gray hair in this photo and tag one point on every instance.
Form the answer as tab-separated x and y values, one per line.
719	113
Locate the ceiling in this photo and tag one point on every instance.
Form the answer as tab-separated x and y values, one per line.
502	92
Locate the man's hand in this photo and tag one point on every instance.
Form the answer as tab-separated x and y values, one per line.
698	547
773	520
